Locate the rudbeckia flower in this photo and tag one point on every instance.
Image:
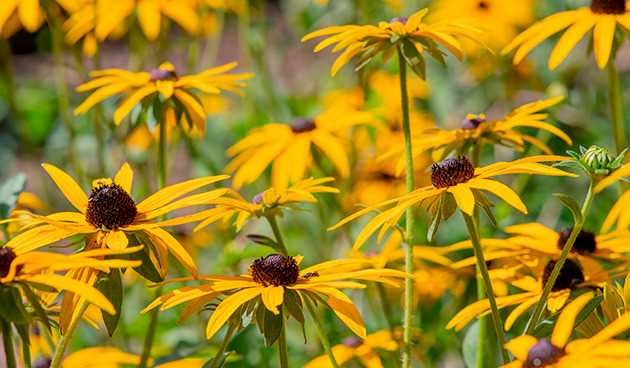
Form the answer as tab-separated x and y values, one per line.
454	179
176	93
275	280
573	277
478	129
599	350
368	351
603	17
414	37
28	13
109	213
287	148
268	203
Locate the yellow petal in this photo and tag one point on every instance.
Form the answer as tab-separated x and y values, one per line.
569	39
500	190
30	14
566	322
344	309
272	297
149	18
227	307
116	239
464	198
131	101
520	346
174	246
172	192
70	189
124	177
603	37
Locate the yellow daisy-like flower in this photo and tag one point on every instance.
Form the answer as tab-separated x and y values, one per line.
454	178
275	280
27	13
109	212
368	351
602	17
288	148
414	38
599	350
82	22
163	82
477	129
573	276
268	203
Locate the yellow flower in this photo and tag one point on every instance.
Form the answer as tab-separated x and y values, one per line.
368	351
108	357
287	148
612	177
27	13
84	19
602	17
176	93
600	350
477	129
268	203
275	280
109	212
414	38
572	277
454	178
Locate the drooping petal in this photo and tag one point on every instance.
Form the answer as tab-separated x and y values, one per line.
464	198
272	297
165	238
70	189
227	307
566	322
500	190
603	37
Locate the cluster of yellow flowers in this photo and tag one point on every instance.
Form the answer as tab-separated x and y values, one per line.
391	159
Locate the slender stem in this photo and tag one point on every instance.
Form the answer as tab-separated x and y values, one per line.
387	310
216	362
277	234
616	107
408	307
322	334
150	335
577	227
67	336
162	155
483	269
282	346
8	343
99	126
26	347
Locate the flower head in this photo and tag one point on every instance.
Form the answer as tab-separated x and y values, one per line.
603	17
409	34
275	280
165	87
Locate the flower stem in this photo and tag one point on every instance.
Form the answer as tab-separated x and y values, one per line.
322	334
8	344
277	234
577	227
162	155
483	269
216	362
67	336
282	346
408	307
150	335
387	310
616	107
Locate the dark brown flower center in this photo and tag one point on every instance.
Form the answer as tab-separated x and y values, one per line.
42	363
584	244
570	275
483	5
471	121
303	125
110	207
451	172
276	270
6	258
608	6
258	198
163	75
543	354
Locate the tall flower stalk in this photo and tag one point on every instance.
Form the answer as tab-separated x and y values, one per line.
616	107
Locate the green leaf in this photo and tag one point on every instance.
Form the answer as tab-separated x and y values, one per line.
9	192
110	285
272	327
218	361
35	303
264	240
470	345
572	205
414	59
147	269
293	305
11	306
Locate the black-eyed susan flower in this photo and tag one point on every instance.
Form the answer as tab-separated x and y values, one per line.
414	37
268	203
599	350
174	92
479	130
275	280
27	13
573	277
454	179
603	17
109	213
368	351
288	148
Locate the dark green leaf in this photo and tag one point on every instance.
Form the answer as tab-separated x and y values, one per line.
572	205
111	287
264	240
35	303
11	306
272	326
9	192
147	269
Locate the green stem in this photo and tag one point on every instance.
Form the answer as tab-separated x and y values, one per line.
26	345
483	269
99	127
8	344
162	155
616	107
577	227
216	362
282	346
277	234
150	335
408	307
67	336
387	310
322	334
